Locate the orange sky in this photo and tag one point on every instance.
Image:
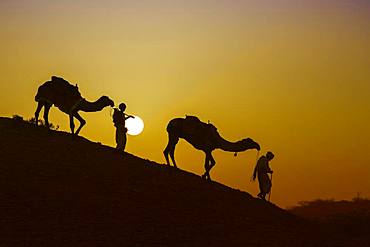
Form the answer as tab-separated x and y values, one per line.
292	75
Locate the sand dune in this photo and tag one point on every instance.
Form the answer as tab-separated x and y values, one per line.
60	190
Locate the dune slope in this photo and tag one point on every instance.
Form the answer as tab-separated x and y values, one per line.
60	190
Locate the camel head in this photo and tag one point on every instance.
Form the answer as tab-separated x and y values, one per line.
248	143
106	101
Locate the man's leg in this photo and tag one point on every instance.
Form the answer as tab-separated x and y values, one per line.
119	139
124	140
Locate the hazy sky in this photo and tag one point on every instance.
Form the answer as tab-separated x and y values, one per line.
292	75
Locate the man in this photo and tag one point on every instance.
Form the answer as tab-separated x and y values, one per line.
119	120
262	170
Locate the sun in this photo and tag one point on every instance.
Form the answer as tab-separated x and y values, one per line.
134	126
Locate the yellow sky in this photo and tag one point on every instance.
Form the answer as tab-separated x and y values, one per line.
294	77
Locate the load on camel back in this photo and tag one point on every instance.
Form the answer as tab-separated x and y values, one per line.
196	128
68	99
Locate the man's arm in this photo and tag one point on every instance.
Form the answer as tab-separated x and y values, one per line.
128	116
269	169
255	173
255	169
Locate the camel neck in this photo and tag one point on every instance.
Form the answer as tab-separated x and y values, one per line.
88	106
230	146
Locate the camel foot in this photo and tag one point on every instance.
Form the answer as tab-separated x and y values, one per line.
74	136
204	176
175	167
261	196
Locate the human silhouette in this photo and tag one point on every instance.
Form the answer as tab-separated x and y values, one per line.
68	99
119	120
201	136
261	171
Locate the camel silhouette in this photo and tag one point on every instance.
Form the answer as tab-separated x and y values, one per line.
201	136
68	99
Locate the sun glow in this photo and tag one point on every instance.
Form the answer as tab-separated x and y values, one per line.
134	126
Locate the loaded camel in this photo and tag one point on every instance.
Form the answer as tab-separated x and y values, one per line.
204	137
68	99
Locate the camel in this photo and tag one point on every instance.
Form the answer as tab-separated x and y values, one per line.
68	99
204	137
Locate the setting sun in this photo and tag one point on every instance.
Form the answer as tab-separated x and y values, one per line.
134	126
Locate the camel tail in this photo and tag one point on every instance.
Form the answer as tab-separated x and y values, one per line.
42	91
169	126
38	96
172	124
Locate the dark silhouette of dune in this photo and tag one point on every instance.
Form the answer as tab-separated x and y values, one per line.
323	209
57	189
344	222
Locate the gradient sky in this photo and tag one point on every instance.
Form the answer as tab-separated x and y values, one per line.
292	75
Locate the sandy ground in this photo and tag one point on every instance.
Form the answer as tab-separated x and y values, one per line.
60	190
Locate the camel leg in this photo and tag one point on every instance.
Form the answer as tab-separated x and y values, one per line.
208	164
211	164
37	113
170	149
165	153
46	114
82	122
206	167
71	123
172	155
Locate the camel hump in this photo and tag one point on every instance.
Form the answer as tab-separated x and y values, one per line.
56	78
195	121
189	124
59	92
194	126
192	119
64	85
